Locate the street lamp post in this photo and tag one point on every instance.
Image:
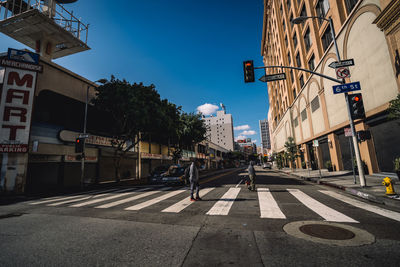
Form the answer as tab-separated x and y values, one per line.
299	20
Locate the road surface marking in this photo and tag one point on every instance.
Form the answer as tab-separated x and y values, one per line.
84	198
97	200
155	200
322	210
179	206
239	183
268	206
362	205
122	201
60	198
223	205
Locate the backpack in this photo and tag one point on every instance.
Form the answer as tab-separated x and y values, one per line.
187	173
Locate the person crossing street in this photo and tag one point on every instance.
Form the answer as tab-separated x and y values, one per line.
252	176
194	181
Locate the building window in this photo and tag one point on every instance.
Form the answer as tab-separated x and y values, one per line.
291	75
311	64
294	93
286	41
298	61
322	8
315	104
295	40
326	38
289	58
301	81
307	39
304	115
296	122
284	24
303	12
350	4
288	3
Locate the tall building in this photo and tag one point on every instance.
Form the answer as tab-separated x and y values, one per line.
304	106
265	139
220	129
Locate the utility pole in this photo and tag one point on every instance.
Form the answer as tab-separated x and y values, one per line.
84	136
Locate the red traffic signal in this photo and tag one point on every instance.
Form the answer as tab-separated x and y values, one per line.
356	106
248	69
79	145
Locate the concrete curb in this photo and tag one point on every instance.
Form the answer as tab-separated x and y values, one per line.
352	191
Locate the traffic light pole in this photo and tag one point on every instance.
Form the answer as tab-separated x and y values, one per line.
84	140
353	130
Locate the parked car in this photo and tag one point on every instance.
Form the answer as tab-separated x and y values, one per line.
267	165
156	175
174	175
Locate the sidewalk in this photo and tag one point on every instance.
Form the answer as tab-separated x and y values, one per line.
344	180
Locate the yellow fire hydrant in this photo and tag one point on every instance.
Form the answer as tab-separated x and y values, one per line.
389	186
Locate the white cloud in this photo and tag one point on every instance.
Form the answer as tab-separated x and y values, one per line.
207	109
242	127
240	137
251	132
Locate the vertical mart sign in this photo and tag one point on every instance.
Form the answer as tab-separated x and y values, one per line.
16	102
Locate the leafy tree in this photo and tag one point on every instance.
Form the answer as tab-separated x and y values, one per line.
190	131
394	108
135	110
291	152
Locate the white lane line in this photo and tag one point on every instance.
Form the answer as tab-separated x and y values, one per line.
97	200
54	199
179	206
239	183
365	206
223	205
322	210
155	200
268	206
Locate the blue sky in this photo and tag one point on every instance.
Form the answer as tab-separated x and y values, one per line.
192	51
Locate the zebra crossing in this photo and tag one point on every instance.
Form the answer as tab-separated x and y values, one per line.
137	199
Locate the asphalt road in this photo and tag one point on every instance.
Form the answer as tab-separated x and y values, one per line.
286	223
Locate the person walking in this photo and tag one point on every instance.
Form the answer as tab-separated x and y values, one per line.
252	176
194	181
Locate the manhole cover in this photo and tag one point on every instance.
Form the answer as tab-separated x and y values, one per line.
327	232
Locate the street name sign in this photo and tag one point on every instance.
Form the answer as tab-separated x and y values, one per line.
342	63
347	87
273	77
342	72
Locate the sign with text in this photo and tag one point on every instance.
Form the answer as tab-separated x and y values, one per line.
347	87
273	77
23	56
16	109
342	63
342	73
347	132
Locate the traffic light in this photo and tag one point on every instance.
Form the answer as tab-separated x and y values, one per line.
356	106
363	135
79	144
248	69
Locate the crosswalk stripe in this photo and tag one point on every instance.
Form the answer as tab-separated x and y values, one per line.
103	199
322	210
54	199
155	200
268	206
129	199
223	205
83	198
179	206
362	205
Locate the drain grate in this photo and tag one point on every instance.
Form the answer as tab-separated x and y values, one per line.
327	232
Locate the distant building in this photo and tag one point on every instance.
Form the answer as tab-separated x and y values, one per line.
264	132
220	129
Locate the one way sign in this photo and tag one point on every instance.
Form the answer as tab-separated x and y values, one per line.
343	63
